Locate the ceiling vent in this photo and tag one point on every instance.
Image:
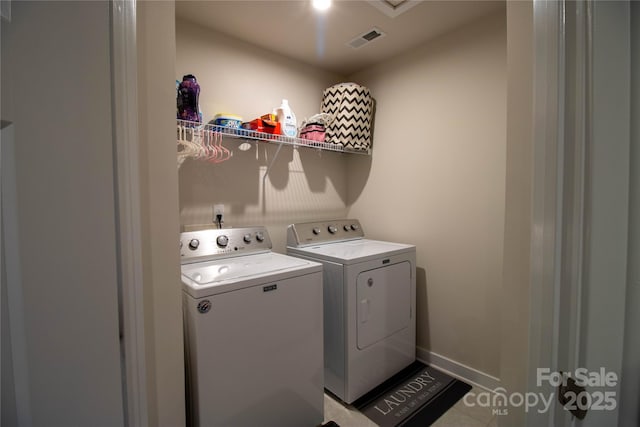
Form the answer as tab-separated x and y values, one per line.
393	8
366	38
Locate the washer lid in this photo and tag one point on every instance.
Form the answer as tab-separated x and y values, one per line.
352	251
223	275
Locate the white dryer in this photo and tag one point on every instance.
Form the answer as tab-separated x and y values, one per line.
253	332
369	303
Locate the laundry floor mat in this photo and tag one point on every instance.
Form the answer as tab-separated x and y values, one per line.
415	397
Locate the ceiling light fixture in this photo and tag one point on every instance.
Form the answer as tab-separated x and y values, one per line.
321	4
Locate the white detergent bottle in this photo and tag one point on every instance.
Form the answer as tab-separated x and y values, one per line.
287	119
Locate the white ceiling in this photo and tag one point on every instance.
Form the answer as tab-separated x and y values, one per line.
292	28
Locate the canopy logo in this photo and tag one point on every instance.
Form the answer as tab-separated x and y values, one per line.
595	398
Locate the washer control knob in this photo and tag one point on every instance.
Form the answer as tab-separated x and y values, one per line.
316	230
193	244
222	240
347	228
260	236
354	227
247	238
332	229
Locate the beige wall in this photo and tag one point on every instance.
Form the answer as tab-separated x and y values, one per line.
159	205
242	79
436	179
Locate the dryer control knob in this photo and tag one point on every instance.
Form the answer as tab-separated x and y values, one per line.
247	238
260	236
354	227
316	230
347	228
222	240
193	244
332	229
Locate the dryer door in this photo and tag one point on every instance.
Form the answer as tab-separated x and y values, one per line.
384	302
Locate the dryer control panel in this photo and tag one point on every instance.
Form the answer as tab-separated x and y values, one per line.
202	245
312	233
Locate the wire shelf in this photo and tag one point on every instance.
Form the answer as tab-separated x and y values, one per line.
246	134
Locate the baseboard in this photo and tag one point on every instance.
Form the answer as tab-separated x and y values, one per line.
465	373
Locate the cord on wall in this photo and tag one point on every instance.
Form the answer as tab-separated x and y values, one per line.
218	214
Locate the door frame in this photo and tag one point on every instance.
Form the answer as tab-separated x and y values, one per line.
563	170
13	279
547	194
128	211
580	148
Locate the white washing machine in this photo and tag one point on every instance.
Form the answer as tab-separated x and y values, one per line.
369	303
253	332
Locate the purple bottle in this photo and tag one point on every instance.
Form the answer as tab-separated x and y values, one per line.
188	95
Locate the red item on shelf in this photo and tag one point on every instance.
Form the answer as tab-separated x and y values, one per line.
265	126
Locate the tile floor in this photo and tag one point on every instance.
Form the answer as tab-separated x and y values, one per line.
460	415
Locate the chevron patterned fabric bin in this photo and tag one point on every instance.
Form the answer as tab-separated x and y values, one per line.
351	106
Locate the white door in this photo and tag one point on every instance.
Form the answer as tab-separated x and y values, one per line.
591	303
64	170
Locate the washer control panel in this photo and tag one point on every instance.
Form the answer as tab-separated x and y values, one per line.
310	233
220	243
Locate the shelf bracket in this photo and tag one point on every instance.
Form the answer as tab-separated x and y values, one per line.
273	159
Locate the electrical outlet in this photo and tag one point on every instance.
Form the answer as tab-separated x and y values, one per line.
218	215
